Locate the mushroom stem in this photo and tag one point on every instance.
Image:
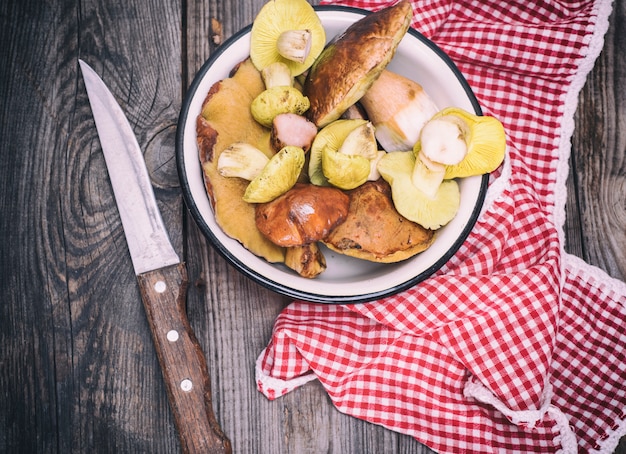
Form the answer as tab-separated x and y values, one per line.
427	175
486	143
361	141
277	74
241	160
294	45
307	260
374	173
442	143
398	107
444	140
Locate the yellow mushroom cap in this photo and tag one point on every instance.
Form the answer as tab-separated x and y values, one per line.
344	171
333	136
275	101
486	144
277	17
278	176
412	203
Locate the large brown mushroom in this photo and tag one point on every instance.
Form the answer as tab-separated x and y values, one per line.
349	65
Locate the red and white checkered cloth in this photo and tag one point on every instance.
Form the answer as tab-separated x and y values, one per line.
514	346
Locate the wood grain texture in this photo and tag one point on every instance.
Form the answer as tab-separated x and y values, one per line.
596	214
77	356
78	370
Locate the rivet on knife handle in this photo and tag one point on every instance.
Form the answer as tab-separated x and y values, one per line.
183	364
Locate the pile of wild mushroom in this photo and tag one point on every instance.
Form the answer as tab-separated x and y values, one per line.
337	118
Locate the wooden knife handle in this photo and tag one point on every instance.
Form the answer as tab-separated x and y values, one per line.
183	363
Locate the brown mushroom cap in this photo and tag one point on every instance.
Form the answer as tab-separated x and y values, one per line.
348	66
374	230
303	215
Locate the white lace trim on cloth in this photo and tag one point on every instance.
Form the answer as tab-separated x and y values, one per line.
597	277
607	446
275	387
528	418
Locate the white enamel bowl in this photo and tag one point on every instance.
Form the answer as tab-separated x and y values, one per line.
346	280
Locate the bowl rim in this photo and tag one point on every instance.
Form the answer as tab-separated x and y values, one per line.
268	282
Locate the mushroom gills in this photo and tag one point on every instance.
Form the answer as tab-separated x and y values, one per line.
457	144
287	31
430	212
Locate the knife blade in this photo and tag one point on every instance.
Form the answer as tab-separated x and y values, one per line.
161	275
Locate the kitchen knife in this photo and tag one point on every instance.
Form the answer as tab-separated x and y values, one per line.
162	277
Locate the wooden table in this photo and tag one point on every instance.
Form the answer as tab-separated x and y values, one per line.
78	371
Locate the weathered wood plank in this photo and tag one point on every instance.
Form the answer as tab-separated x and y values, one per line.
597	199
36	367
79	352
